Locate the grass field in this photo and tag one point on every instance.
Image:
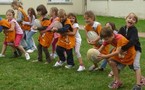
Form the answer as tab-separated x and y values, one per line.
19	74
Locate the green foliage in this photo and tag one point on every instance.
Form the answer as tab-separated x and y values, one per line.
19	74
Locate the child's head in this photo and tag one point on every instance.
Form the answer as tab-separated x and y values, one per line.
111	25
107	34
16	4
53	11
89	17
62	15
41	10
72	17
31	12
131	19
10	14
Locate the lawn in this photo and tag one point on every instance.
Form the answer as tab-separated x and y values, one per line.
19	74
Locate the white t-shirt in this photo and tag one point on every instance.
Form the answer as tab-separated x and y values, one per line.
77	35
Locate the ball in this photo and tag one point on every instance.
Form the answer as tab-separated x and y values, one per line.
92	55
37	23
57	24
92	35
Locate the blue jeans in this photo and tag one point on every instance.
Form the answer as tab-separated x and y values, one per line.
29	40
104	64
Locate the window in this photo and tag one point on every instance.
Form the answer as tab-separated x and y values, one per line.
59	1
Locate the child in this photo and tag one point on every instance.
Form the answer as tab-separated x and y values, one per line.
91	24
114	60
29	39
21	16
131	33
45	38
54	17
19	32
65	42
9	35
75	32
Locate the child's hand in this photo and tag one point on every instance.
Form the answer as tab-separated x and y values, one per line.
34	27
102	56
54	29
92	42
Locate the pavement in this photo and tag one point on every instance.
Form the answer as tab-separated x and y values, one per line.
141	34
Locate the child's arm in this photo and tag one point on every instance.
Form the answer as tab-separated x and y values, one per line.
73	32
62	30
12	27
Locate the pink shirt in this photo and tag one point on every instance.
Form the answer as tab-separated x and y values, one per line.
17	27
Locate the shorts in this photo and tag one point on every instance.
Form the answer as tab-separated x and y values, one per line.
18	39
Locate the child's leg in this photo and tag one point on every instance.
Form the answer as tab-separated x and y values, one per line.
137	69
29	39
78	54
70	60
54	46
39	52
104	63
60	53
114	68
48	58
4	47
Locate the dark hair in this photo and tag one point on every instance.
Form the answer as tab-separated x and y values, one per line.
90	14
106	32
32	12
12	11
42	8
112	25
73	15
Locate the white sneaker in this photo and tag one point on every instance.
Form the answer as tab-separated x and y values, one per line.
1	55
68	66
58	64
27	56
81	68
30	51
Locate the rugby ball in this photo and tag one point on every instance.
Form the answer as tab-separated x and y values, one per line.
92	35
37	23
92	55
57	24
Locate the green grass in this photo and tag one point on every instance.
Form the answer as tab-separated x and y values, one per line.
19	74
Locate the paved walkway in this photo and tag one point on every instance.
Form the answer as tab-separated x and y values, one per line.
141	34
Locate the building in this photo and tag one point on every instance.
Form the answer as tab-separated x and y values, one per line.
116	8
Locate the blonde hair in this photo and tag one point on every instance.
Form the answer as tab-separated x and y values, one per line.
135	16
17	3
11	11
61	13
54	9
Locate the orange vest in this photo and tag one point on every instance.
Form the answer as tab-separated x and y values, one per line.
66	41
9	35
25	18
46	38
129	57
98	30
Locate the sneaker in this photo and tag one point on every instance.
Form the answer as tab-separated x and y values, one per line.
115	85
27	56
68	66
30	51
1	55
58	64
81	68
92	68
137	87
111	74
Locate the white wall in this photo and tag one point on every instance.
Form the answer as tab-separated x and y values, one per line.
117	8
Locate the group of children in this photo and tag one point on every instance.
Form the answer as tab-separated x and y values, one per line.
19	35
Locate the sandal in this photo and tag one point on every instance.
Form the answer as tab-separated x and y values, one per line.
115	85
142	82
110	74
